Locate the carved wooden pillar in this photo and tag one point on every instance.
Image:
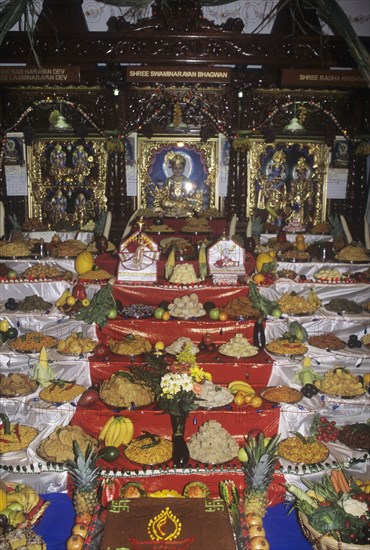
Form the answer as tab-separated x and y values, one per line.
361	189
230	202
350	206
111	184
238	179
242	184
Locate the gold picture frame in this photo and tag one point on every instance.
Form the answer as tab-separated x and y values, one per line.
66	179
289	178
201	168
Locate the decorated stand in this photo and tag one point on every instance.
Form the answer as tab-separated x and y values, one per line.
226	261
138	257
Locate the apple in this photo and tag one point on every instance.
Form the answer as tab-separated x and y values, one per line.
276	312
158	312
101	350
12	274
112	314
214	313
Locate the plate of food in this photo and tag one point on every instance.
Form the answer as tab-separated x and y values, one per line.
149	449
131	344
32	342
294	304
303	450
343	306
17	384
137	311
285	347
213	396
281	394
355	436
58	446
76	345
61	391
238	346
122	390
327	341
339	382
15	436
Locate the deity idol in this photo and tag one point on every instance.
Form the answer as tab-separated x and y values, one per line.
179	192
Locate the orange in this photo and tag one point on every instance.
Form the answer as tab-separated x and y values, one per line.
258	278
256	402
299	239
166	315
223	316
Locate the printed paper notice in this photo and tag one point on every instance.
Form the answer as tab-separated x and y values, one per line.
16	180
337	183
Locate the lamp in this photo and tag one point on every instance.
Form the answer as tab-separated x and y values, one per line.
62	125
294	126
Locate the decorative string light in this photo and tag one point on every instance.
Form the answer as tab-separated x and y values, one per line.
309	103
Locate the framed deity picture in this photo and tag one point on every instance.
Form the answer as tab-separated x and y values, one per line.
67	179
177	174
288	179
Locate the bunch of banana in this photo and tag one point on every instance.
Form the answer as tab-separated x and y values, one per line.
239	385
170	264
25	495
313	298
101	304
63	298
118	430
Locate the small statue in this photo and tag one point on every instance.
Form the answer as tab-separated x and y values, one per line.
58	206
178	191
58	163
301	196
80	213
80	160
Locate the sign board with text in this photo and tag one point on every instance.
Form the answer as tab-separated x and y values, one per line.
39	75
178	74
313	78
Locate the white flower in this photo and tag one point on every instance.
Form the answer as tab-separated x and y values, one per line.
172	384
354	507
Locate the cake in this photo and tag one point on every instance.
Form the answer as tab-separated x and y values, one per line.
294	226
161	523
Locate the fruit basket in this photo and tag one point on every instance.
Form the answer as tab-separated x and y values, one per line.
321	541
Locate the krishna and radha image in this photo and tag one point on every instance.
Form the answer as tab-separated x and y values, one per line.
288	181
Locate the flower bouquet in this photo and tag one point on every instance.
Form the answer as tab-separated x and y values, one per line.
177	388
334	513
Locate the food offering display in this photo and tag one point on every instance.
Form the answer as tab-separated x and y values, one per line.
237	356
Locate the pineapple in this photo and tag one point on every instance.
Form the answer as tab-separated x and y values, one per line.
336	228
85	478
258	471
